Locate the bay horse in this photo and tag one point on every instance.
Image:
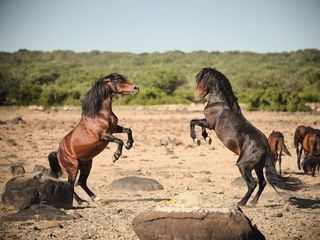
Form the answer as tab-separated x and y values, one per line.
276	146
299	134
92	133
311	147
224	116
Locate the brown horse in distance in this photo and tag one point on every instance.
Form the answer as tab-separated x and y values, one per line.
311	146
299	134
92	133
276	145
224	116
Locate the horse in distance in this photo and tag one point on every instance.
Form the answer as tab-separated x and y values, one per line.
276	145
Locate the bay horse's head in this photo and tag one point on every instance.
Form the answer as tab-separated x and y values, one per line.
209	80
118	84
106	87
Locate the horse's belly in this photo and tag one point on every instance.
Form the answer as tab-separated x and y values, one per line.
90	151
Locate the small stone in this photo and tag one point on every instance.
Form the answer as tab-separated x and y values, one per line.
36	228
17	169
76	215
85	236
280	214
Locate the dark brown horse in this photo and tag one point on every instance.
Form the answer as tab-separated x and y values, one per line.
299	134
223	115
276	146
311	147
93	132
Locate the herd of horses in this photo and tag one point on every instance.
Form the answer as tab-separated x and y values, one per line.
222	114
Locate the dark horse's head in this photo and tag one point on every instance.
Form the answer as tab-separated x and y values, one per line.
106	87
209	80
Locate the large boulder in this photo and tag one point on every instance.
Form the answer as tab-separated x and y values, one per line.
29	189
133	183
195	215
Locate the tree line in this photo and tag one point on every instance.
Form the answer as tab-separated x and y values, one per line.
271	81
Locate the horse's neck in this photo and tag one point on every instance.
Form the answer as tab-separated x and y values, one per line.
215	99
106	109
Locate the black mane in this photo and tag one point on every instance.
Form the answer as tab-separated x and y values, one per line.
211	79
92	101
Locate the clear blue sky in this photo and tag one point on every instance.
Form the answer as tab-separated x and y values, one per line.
159	25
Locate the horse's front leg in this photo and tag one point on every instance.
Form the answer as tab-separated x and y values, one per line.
109	137
120	129
203	124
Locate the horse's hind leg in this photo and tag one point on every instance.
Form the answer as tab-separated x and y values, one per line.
262	184
85	168
72	175
280	160
299	157
246	174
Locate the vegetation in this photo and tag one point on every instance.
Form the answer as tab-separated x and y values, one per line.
274	81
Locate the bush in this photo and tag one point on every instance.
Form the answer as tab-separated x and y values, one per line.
276	100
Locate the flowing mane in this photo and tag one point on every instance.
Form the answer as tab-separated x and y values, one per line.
211	79
92	101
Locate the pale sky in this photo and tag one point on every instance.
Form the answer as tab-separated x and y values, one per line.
159	25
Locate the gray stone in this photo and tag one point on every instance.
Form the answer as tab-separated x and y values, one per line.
41	169
17	169
195	215
133	183
29	189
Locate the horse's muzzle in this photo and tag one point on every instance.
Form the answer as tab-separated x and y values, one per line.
135	90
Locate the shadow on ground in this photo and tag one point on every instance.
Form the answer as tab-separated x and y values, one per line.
304	203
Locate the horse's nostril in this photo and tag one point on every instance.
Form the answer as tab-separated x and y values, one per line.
136	88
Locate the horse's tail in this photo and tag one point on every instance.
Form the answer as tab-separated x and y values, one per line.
56	170
296	138
318	142
283	146
277	181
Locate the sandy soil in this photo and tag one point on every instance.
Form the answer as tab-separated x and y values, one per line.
178	167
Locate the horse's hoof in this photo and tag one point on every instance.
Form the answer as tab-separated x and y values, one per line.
241	204
208	140
115	157
128	145
96	199
197	141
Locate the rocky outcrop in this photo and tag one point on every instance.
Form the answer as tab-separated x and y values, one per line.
195	215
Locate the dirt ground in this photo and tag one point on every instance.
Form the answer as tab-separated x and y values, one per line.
178	166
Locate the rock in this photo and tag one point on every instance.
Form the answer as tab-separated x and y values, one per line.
36	108
12	142
3	122
41	169
17	169
24	191
133	183
195	215
76	215
39	212
17	120
167	141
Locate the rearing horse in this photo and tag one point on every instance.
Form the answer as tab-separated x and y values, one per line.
223	115
92	133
